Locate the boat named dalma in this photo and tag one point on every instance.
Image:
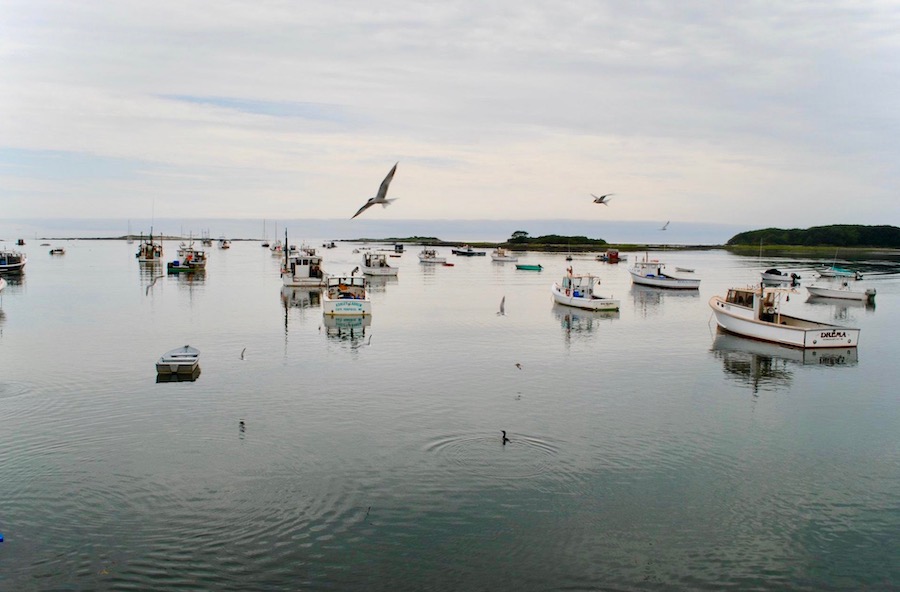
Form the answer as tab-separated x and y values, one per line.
755	312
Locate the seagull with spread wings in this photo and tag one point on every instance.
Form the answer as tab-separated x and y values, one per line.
602	199
664	226
382	193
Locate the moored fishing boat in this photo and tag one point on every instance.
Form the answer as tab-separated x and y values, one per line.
651	272
427	255
224	243
776	276
12	261
182	360
192	260
578	291
346	296
501	254
376	264
57	251
467	251
755	312
842	292
302	268
149	251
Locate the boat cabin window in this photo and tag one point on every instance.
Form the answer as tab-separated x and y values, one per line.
740	298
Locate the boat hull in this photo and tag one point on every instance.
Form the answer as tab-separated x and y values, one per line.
302	282
184	360
790	331
382	271
840	294
669	282
591	303
529	267
433	260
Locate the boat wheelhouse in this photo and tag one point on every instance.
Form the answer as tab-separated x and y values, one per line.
303	270
377	264
755	312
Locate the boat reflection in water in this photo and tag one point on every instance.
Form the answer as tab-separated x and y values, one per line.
769	366
580	321
176	377
379	283
351	328
842	310
649	300
301	297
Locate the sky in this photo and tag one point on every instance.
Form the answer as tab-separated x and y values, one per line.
754	114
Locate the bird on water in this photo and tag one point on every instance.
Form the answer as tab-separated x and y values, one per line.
505	439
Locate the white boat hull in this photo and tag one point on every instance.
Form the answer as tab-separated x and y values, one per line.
786	330
841	294
589	303
296	281
771	277
382	271
664	281
436	260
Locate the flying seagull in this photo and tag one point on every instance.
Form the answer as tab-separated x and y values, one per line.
382	193
602	199
502	307
664	226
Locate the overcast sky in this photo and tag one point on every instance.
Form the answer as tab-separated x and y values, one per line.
758	113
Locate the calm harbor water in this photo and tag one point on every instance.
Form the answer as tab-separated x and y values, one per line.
647	452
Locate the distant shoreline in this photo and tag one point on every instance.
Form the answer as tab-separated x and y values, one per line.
824	251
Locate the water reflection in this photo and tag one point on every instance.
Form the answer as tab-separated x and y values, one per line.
301	297
379	283
177	377
579	321
841	310
347	328
648	300
768	366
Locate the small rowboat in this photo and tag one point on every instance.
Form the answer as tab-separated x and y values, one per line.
183	360
526	267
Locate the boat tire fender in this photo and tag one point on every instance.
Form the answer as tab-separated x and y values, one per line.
770	310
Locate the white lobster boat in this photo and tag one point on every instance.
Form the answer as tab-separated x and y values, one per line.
346	296
376	264
501	254
578	291
149	251
183	360
755	312
843	292
651	272
431	256
301	269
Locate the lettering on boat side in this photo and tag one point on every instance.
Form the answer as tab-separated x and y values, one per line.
833	335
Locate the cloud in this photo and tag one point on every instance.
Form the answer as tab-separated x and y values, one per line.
713	112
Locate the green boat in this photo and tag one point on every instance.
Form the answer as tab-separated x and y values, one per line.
529	267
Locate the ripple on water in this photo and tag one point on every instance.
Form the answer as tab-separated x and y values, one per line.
523	457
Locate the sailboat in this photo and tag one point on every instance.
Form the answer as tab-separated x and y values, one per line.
265	241
129	238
